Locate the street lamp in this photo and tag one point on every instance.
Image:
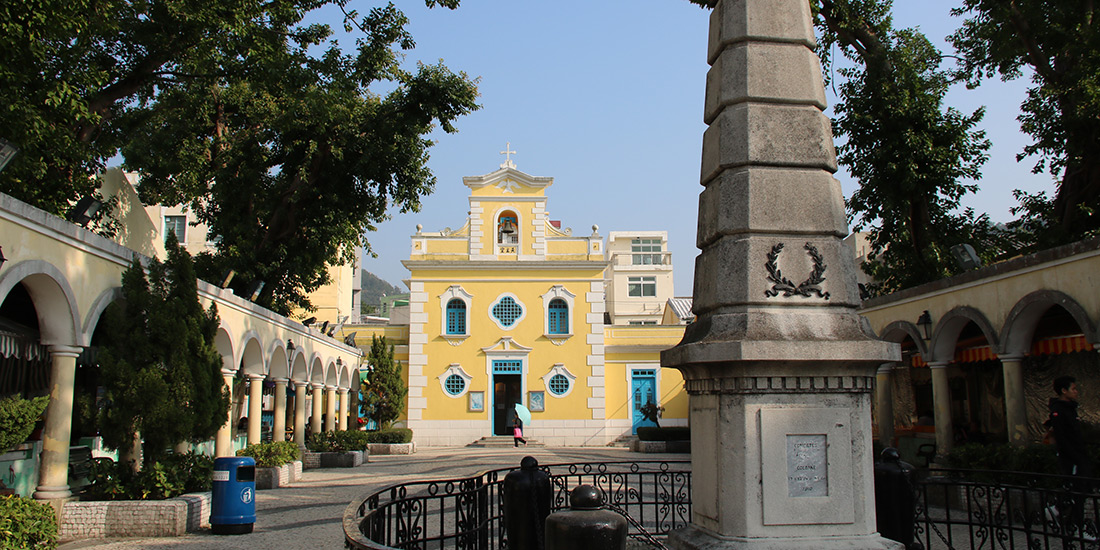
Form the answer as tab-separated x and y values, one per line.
925	324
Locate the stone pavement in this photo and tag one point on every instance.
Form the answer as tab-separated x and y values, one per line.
307	515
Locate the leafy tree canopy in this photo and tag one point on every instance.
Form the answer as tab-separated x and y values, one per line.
286	145
1060	43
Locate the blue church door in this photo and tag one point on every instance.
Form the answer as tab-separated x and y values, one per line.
507	391
643	389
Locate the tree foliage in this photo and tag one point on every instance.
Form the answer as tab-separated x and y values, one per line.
914	159
1060	43
383	391
272	134
160	367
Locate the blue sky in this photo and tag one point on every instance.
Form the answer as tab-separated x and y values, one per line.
606	97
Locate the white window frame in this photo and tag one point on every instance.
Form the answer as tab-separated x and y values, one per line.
642	280
454	368
179	238
559	368
523	311
558	291
453	292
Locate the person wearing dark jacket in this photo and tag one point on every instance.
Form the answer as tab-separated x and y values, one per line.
1070	444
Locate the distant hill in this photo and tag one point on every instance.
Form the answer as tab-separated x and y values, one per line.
373	290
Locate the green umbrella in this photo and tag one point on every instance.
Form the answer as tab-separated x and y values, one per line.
523	414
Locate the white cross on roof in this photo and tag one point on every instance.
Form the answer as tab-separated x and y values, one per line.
508	152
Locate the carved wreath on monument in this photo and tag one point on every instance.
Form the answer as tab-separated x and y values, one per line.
811	285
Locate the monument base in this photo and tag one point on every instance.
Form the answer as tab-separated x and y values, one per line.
696	538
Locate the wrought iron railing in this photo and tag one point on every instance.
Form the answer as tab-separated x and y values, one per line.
468	513
972	509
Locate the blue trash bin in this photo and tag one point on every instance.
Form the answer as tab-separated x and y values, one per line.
233	498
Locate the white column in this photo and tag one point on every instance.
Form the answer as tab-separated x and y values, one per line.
884	403
1015	403
941	400
279	427
330	408
223	442
255	406
300	413
318	400
53	476
342	423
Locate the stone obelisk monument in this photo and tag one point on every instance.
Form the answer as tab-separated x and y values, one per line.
778	365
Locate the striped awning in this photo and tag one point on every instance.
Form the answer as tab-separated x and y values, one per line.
1048	346
19	346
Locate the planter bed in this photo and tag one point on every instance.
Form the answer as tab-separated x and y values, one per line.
135	518
283	476
348	459
391	448
640	446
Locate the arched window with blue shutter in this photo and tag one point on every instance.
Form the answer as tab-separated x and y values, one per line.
558	312
456	316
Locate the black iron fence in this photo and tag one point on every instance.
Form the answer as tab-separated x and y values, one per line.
978	509
468	513
954	509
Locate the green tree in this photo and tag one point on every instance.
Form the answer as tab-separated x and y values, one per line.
914	159
383	391
273	135
160	368
1060	43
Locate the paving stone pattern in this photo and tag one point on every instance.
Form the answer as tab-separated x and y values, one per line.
307	514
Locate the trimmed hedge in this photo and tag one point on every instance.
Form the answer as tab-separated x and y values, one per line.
272	455
390	435
654	433
25	523
17	419
1040	459
337	441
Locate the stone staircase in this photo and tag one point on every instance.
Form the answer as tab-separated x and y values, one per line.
624	441
497	441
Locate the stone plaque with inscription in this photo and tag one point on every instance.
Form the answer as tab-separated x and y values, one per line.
807	466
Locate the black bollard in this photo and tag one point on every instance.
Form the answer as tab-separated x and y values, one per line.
895	497
586	526
527	496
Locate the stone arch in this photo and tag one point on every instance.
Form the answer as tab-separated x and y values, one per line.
223	341
332	378
343	376
95	312
278	365
946	334
897	332
54	301
1021	322
299	372
252	355
316	370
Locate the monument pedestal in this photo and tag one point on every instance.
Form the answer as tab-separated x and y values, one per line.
778	365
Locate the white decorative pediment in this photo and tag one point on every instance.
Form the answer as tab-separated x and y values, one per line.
506	345
508	179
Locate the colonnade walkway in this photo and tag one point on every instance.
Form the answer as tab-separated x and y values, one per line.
307	515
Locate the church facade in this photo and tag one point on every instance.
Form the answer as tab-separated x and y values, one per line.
512	308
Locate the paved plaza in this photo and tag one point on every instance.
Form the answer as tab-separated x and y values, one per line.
307	514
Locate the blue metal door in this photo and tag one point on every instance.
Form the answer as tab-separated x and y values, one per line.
643	389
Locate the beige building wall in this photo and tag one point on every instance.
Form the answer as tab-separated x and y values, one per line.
639	260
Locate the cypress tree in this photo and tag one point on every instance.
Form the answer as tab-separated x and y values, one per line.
383	391
161	370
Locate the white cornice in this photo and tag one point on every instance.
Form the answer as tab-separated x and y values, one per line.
512	265
536	182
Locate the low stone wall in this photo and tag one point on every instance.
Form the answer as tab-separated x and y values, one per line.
283	476
135	518
349	459
640	446
391	448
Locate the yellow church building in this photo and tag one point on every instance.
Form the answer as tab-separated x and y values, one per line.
513	308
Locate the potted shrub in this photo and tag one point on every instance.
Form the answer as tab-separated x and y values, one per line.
274	463
391	441
336	449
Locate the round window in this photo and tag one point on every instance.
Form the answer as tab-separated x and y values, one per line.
454	384
559	384
507	311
